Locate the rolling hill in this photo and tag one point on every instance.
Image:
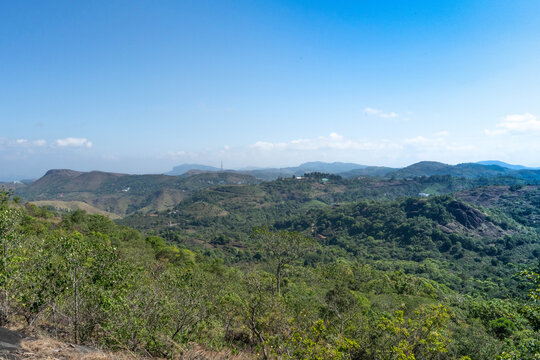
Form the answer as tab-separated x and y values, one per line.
274	173
465	170
506	165
184	168
374	171
481	169
122	194
520	203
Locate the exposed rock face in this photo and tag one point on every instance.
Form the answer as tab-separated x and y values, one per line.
466	215
10	344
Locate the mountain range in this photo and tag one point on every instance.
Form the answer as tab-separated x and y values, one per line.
274	173
506	165
350	170
118	195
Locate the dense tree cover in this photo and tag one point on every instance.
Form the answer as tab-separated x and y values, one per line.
219	208
466	248
440	238
123	194
520	203
406	279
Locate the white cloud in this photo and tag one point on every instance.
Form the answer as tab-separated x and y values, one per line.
74	142
336	147
380	113
436	144
333	141
263	145
516	124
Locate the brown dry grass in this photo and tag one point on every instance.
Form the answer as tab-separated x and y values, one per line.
49	349
44	348
74	205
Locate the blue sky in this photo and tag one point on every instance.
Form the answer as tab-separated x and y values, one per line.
141	86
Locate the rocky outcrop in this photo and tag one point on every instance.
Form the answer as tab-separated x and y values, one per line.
466	215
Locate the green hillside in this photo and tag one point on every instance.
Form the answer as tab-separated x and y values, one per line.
317	267
466	170
425	278
520	203
123	194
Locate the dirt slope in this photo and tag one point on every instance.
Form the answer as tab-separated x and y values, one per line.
15	345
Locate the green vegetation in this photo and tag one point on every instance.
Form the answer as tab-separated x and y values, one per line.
288	269
121	194
518	202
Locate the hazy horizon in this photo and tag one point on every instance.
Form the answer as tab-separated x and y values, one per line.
218	166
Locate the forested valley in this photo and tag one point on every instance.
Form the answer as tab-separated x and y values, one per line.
317	267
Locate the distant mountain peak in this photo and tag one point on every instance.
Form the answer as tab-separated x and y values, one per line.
63	172
184	168
506	165
429	163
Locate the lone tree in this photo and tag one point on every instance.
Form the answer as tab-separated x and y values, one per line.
283	248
